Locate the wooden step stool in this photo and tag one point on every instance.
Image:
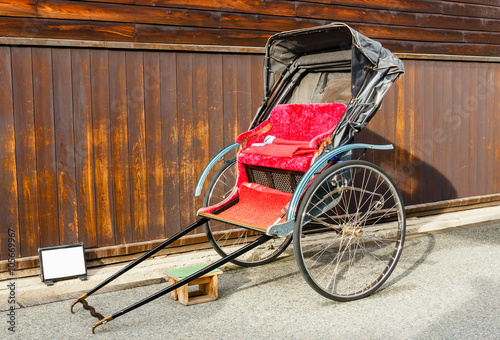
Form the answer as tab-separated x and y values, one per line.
208	287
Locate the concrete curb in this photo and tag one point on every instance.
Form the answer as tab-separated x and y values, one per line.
31	291
445	221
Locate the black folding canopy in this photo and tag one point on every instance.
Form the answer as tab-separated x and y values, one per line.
329	49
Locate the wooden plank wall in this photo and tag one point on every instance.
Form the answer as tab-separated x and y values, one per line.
105	146
466	27
443	119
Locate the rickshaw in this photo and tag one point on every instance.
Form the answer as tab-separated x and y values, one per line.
294	176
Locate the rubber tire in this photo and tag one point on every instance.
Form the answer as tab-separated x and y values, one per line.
298	233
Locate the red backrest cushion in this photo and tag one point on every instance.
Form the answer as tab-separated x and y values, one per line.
303	122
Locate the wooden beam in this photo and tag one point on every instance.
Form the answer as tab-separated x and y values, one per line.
130	45
203	36
77	10
400	46
65	29
421	6
425	34
217	49
18	8
271	7
390	18
478	2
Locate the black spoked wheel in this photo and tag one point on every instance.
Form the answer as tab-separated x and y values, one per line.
227	238
349	231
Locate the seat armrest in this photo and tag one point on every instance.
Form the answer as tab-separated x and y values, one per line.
247	137
318	140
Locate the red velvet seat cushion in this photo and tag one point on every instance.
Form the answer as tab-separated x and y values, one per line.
303	122
294	122
299	163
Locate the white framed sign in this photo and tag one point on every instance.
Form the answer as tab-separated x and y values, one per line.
62	262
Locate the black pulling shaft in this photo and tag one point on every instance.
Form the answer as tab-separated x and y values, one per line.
194	276
148	254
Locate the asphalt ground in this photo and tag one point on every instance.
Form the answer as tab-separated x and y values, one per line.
446	286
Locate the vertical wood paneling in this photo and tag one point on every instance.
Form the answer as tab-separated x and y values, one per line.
429	131
24	122
65	146
215	104
465	113
457	117
257	86
420	114
496	128
154	164
482	130
201	136
492	126
476	111
119	146
386	133
230	95
137	143
399	139
185	129
84	154
102	153
46	147
445	103
170	142
409	138
438	133
215	113
8	169
244	97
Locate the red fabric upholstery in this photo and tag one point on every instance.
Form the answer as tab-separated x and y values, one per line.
294	122
299	163
281	148
304	121
259	206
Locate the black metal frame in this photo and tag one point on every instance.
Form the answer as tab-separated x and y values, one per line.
209	268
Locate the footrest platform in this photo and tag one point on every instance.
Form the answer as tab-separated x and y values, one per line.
257	207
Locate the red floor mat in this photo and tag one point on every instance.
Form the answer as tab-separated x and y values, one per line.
258	206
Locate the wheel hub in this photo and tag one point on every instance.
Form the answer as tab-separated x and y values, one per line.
352	230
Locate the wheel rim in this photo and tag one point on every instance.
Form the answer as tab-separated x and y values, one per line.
352	227
227	238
